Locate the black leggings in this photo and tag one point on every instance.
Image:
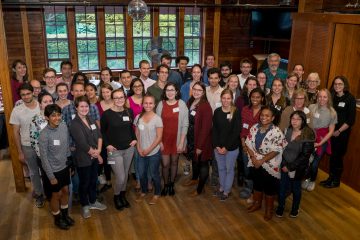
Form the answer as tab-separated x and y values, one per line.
201	172
264	182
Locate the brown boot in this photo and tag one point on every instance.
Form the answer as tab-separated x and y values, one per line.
257	197
269	207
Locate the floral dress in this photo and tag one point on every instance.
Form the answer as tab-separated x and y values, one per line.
38	123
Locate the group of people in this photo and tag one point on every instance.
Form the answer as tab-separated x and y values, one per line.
273	128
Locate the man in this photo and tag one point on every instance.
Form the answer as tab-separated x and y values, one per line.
54	152
125	79
162	75
210	63
245	68
299	70
66	73
174	76
144	67
49	76
37	89
213	91
182	62
273	71
20	118
226	70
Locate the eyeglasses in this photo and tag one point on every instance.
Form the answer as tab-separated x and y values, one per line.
49	78
118	98
312	81
197	90
338	84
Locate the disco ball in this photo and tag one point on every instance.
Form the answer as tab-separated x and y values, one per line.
137	9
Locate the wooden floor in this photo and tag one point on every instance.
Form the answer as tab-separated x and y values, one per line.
325	214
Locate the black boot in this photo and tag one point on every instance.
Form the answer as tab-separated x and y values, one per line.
60	222
118	204
327	181
123	199
165	190
171	189
65	216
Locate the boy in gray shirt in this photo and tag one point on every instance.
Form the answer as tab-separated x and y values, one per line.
54	151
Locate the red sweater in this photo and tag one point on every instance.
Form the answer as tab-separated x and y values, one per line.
248	120
202	131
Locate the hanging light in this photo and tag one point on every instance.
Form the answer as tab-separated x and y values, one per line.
137	9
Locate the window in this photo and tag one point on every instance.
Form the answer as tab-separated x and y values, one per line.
56	36
86	38
192	35
115	37
142	39
168	30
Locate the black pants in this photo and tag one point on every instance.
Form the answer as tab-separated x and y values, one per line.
201	172
264	182
338	148
87	183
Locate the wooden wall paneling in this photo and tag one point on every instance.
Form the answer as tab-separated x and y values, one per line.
310	5
8	106
180	39
27	46
100	13
299	36
203	36
129	44
155	21
216	33
72	37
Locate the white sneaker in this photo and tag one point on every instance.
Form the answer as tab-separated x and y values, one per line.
187	169
98	206
85	212
305	184
102	179
311	186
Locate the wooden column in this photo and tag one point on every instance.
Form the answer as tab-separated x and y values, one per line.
129	44
216	36
72	37
8	106
180	39
26	38
101	33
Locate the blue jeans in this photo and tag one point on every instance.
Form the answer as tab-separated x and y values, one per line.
151	163
315	163
87	183
289	183
226	166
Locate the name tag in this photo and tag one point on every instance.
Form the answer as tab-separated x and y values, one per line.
175	109
217	104
341	104
126	118
308	120
306	110
72	116
111	162
56	142
193	113
228	116
316	115
278	107
141	127
92	126
245	125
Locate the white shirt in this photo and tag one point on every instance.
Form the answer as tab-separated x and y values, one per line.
147	83
214	97
243	79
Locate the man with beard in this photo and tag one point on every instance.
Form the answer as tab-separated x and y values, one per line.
210	63
182	62
273	71
226	70
173	76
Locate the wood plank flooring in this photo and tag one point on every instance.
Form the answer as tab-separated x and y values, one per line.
325	214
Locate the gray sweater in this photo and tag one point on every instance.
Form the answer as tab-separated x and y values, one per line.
54	149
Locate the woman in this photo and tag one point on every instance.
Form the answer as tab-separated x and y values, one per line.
88	141
62	91
291	86
324	118
295	161
250	115
345	106
134	102
313	82
90	92
19	76
80	77
226	140
119	141
261	77
299	102
174	115
264	146
199	146
243	99
234	85
186	89
276	99
105	102
149	131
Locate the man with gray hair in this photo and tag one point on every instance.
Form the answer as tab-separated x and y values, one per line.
273	71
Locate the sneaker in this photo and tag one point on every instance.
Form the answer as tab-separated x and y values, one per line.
39	201
154	200
305	183
217	193
311	186
187	169
98	206
279	212
85	212
294	213
223	197
245	193
102	179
